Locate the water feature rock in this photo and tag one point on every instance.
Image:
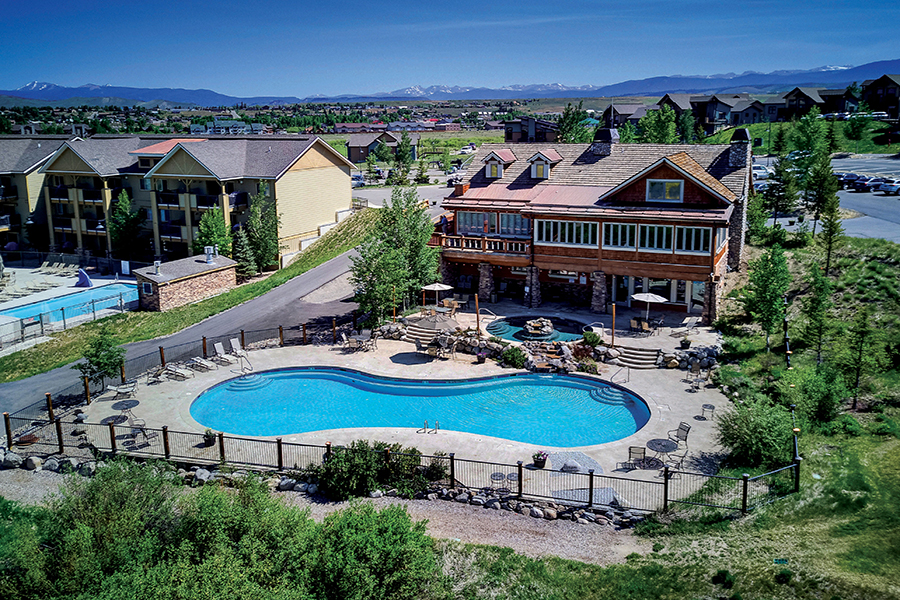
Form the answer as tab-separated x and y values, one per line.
376	494
12	461
202	476
34	463
571	466
301	487
536	512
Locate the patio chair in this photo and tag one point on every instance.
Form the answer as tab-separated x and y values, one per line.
420	347
236	349
157	375
344	341
645	328
636	457
125	390
178	372
676	461
680	434
423	312
634	326
201	364
221	356
353	345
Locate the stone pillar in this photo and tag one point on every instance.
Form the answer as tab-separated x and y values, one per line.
449	272
106	196
76	197
598	296
485	282
711	300
533	295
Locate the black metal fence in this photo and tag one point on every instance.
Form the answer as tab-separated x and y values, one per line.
31	259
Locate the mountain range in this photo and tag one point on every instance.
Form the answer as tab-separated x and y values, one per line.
38	93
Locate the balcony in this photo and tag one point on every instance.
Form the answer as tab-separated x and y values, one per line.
90	196
116	192
63	224
10	222
59	193
237	200
481	245
172	231
168	200
205	201
94	226
9	193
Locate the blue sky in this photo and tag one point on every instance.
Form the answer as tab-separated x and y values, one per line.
303	47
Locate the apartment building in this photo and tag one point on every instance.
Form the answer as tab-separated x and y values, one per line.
176	180
593	224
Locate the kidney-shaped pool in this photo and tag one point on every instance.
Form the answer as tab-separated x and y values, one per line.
546	410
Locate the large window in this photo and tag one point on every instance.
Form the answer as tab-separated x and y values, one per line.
476	223
566	232
721	237
656	238
513	224
664	190
494	170
693	239
619	235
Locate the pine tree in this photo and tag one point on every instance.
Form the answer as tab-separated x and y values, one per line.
859	339
686	126
242	253
371	168
831	141
262	229
212	231
815	307
627	133
422	173
855	128
769	282
779	142
570	125
124	226
822	185
832	230
781	193
757	216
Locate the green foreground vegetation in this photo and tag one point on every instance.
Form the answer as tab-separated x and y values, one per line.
69	346
877	138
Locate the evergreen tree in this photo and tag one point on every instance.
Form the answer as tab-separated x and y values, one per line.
831	141
757	215
242	253
124	226
212	231
815	307
403	158
779	141
769	282
856	127
781	193
262	229
422	173
627	133
859	357
809	139
571	128
822	185
445	160
395	262
832	230
658	126
371	166
686	126
383	152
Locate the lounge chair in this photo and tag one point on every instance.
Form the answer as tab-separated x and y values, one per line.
178	372
221	356
201	364
157	375
41	268
680	434
420	347
353	344
124	390
636	457
236	349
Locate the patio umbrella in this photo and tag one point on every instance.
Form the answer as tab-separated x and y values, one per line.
436	287
648	298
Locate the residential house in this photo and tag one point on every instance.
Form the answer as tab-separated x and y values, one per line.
360	145
838	101
593	224
177	180
529	129
883	95
746	112
447	126
21	183
773	108
351	128
493	125
713	112
625	113
677	102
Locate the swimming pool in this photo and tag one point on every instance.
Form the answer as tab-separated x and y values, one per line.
547	410
511	329
76	304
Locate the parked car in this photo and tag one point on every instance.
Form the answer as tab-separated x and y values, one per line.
760	186
761	172
358	180
891	189
846	179
867	184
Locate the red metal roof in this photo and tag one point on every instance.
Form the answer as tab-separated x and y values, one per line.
162	148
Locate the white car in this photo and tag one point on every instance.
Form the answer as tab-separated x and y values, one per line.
890	187
762	172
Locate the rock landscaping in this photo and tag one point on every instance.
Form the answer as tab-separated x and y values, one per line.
706	357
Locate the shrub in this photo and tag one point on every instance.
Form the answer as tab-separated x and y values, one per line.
756	433
588	366
350	471
723	578
513	356
845	424
783	576
580	351
592	339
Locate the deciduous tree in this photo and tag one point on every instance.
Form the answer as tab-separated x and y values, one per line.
815	307
658	126
124	226
856	127
212	231
103	359
821	186
781	193
262	229
769	282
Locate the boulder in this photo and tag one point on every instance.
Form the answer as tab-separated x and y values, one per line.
572	466
493	503
286	483
68	465
51	464
478	501
462	498
376	494
33	463
524	510
536	512
550	514
582	521
87	469
202	475
312	489
613	353
589	516
301	487
391	492
12	461
672	364
432	496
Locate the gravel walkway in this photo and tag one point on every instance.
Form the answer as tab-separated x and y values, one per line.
469	524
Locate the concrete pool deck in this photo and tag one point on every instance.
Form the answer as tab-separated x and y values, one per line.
666	391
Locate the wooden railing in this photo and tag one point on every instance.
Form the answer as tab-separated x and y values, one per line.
480	244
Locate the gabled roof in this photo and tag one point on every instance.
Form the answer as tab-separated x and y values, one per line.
362	140
506	156
107	157
682	101
162	148
550	155
25	154
812	93
688	167
745	104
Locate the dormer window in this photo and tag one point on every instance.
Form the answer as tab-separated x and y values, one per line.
665	190
542	163
494	170
539	170
495	162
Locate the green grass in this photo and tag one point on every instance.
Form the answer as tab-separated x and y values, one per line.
68	346
874	142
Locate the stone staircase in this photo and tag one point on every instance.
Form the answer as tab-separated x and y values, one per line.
638	358
414	332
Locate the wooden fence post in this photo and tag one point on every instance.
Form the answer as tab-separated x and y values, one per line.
520	478
221	446
204	347
477	316
281	336
87	390
8	426
304	333
387	456
333	330
162	356
243	340
327	450
165	431
452	469
59	435
112	437
280	454
50	406
122	371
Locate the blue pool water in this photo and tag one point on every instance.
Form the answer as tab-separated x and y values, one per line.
546	410
511	329
79	303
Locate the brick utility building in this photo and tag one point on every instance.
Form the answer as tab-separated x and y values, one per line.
593	224
169	285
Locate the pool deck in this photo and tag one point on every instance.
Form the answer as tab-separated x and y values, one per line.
666	391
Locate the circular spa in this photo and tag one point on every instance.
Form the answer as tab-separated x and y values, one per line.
561	411
523	329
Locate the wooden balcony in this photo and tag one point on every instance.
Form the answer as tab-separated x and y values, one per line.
170	200
9	193
493	249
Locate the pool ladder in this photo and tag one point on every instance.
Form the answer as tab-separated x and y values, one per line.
426	430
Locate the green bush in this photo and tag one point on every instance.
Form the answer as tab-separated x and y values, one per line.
588	366
783	576
592	339
360	468
724	578
756	433
513	356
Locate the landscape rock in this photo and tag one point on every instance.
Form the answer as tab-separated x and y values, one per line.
613	353
87	469
33	463
12	461
376	494
286	483
301	487
463	498
582	521
493	503
536	512
524	510
550	514
312	489
202	475
391	492
51	464
68	465
432	496
571	466
478	501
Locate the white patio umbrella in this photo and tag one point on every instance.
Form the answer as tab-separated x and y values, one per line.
436	287
648	298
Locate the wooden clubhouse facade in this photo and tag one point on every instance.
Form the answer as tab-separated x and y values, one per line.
593	224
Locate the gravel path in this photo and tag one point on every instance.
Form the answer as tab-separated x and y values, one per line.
469	524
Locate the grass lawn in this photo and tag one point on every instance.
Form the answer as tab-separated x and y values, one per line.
874	142
68	346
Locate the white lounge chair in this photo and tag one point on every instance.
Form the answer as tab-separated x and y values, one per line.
236	349
125	390
221	356
201	364
178	372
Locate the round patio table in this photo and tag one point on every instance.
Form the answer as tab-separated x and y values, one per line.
662	446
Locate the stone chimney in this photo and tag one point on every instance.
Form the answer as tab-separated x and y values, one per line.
460	188
604	140
739	154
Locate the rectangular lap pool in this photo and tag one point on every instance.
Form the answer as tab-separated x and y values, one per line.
80	303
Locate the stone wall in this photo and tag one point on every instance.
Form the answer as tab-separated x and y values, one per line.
598	295
185	291
449	271
739	157
533	295
485	281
